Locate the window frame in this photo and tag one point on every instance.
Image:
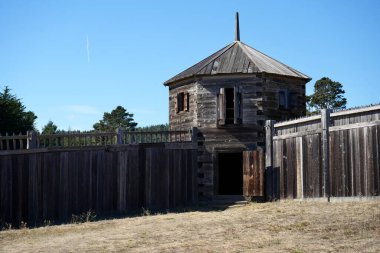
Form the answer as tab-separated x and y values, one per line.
222	106
182	102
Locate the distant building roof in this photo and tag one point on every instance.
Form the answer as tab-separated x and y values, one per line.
235	58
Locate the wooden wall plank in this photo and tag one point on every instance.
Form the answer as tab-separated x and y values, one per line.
54	185
6	186
278	168
344	137
376	146
32	197
299	166
290	167
63	187
361	160
121	181
134	182
184	168
370	162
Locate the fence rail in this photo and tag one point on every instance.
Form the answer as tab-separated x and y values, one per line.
154	137
76	140
121	137
12	142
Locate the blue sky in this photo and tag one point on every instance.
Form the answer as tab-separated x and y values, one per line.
72	60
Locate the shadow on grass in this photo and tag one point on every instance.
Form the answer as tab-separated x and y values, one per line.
92	216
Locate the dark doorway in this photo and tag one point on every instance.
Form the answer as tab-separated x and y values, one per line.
230	173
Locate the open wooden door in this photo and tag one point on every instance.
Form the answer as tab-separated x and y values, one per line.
253	173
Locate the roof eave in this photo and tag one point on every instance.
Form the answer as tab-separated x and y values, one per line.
171	82
306	78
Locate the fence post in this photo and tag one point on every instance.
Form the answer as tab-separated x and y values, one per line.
119	136
270	182
325	122
194	134
31	141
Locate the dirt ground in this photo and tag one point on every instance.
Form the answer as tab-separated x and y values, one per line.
288	226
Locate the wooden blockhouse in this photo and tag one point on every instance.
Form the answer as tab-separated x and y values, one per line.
227	97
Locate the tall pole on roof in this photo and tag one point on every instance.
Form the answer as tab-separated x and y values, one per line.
237	29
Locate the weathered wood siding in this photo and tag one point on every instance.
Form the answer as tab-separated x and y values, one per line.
353	155
296	158
183	120
52	185
259	98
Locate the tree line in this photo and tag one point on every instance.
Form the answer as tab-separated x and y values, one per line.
15	118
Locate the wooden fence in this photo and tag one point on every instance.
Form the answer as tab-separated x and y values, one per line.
76	139
334	154
41	185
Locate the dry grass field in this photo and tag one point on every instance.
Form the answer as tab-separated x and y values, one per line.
269	227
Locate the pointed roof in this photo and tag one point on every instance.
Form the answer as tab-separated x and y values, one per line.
235	58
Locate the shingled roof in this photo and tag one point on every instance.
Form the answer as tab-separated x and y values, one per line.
235	58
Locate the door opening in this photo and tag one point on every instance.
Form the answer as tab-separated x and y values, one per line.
230	176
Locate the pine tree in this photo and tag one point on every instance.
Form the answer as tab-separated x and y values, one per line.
13	117
327	94
118	118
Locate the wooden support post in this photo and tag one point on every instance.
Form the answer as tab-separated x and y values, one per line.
325	122
299	168
119	136
31	140
269	179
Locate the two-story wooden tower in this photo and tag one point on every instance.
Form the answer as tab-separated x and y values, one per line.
228	96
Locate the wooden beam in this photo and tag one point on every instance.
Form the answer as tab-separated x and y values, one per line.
325	120
269	178
296	121
297	134
32	140
354	111
299	173
356	125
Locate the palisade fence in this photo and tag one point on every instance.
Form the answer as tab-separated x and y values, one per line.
84	139
59	176
334	154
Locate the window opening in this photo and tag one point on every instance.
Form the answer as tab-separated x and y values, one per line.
230	106
293	100
282	99
182	102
